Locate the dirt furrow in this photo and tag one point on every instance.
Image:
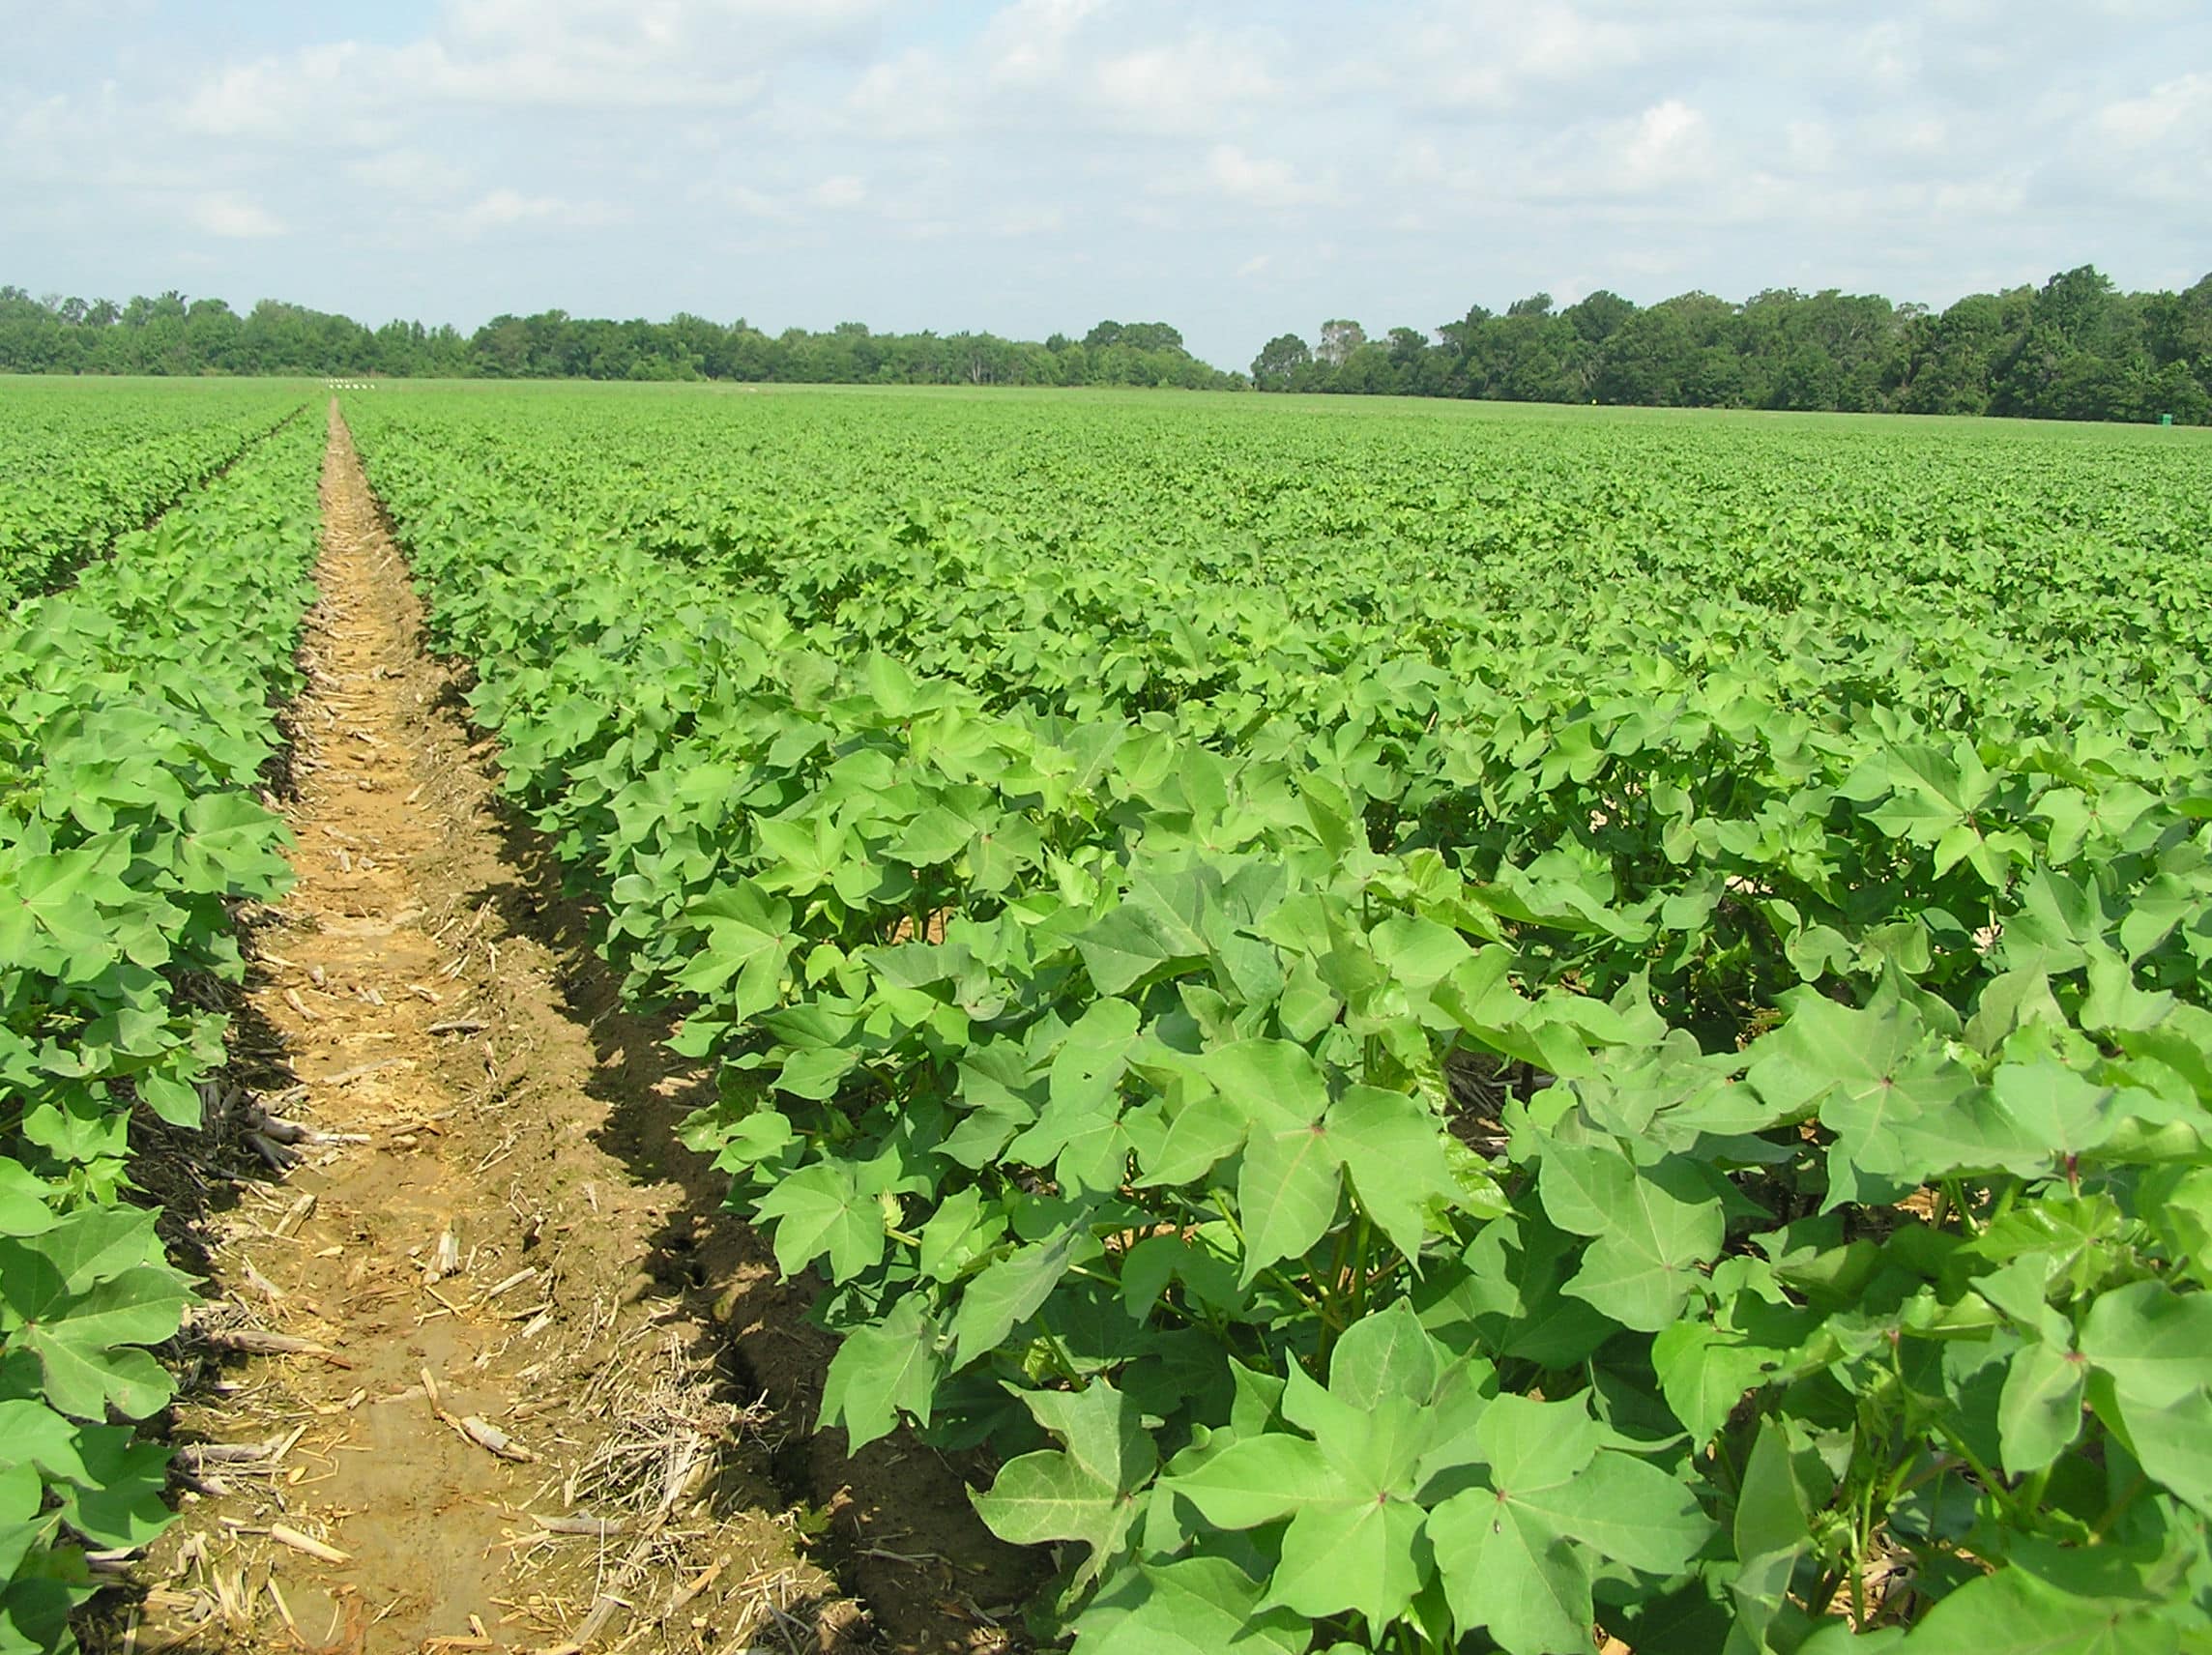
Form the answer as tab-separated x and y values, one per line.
440	1403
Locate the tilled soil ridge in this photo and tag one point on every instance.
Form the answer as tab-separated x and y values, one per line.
438	1407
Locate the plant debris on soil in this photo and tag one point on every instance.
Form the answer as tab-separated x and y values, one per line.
480	1365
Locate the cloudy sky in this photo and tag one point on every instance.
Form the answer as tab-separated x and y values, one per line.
1236	169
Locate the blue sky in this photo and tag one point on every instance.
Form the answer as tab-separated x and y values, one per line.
1237	169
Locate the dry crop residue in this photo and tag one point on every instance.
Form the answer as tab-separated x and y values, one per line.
437	1405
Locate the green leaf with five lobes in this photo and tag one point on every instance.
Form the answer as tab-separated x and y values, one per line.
1202	1606
230	846
1004	1294
2039	1411
84	1342
2156	1344
819	1209
1505	1562
1354	1526
1654	1228
1859	1069
881	1370
1086	1490
1394	1148
2014	1612
24	1198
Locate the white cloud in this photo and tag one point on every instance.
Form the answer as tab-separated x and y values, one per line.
1259	181
1256	265
1026	45
2168	111
506	209
1670	143
233	219
840	191
1495	54
407	172
1193	84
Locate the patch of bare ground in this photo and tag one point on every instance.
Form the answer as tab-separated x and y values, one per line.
456	1385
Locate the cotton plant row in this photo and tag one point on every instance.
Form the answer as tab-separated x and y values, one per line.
137	708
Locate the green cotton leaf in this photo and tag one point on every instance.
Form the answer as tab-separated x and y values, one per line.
1002	1295
1287	1194
1704	1371
1772	1514
1387	1354
2156	1344
1628	1511
1418	954
959	1233
1354	1552
1348	1496
1205	1132
1864	1073
819	1209
1086	1490
2173	1444
1200	1606
814	1074
32	1434
736	951
2058	1110
2039	1411
84	1342
118	1502
1259	1479
1395	1150
1133	942
1079	1131
2014	1612
1505	1554
23	1198
1271	1083
1655	1227
93	1244
176	1101
230	847
881	1370
893	689
936	835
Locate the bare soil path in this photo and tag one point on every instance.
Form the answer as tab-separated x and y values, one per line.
443	1402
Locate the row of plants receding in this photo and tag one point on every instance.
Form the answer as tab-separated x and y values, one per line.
137	709
86	465
1344	1245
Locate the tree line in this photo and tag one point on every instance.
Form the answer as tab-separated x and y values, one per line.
173	335
2075	348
